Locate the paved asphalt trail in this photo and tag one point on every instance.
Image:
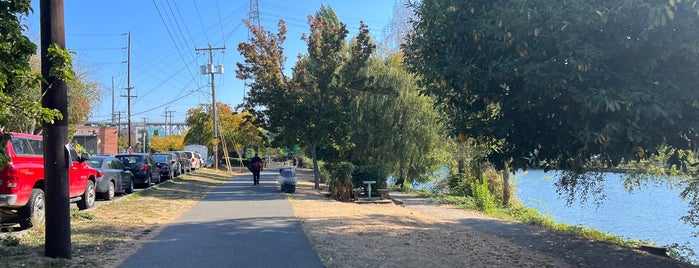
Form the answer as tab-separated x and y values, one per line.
238	224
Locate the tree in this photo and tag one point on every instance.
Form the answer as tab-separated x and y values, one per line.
167	143
311	108
16	75
401	130
236	129
561	84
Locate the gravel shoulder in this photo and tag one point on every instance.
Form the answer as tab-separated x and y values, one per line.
421	233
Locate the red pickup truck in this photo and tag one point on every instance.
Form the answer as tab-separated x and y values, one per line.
22	181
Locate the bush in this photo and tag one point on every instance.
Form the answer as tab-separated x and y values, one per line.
340	181
485	201
375	172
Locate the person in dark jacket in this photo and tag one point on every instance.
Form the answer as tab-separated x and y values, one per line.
256	163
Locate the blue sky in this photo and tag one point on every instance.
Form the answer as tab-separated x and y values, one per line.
164	35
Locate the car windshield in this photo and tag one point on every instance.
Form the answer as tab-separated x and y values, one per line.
129	160
160	158
95	162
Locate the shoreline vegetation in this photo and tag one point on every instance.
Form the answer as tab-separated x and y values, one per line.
519	213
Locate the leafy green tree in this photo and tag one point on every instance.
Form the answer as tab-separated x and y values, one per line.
311	108
400	130
16	75
559	84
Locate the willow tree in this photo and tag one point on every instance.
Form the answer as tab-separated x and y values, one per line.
311	107
399	129
562	84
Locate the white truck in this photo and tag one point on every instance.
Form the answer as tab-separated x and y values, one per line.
201	149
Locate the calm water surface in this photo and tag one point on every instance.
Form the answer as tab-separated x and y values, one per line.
646	214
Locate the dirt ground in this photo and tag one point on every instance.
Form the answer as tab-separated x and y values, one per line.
424	234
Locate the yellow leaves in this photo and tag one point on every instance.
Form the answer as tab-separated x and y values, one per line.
499	24
523	53
603	16
565	107
584	67
537	31
601	138
669	13
565	25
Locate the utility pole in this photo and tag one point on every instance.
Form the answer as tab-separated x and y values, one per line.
128	95
209	69
168	114
118	121
55	135
113	115
145	135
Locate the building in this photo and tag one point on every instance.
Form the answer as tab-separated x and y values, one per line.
97	139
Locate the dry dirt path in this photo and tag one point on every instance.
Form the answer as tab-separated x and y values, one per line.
421	233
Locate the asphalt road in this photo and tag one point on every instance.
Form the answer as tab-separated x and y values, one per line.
238	224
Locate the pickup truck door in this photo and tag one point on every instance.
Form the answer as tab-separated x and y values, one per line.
78	175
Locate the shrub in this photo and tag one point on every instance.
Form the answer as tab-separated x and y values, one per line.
485	201
340	181
375	172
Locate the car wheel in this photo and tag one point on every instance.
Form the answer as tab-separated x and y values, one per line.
160	178
88	197
109	195
130	188
34	211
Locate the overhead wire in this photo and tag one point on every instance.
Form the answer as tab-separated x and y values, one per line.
173	39
201	22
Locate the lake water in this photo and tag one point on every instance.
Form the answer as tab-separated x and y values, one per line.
646	214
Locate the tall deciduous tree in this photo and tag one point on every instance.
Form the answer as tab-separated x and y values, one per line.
312	107
562	83
401	129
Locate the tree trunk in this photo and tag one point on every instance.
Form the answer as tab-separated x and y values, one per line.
316	169
401	175
506	184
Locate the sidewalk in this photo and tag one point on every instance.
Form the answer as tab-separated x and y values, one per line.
238	224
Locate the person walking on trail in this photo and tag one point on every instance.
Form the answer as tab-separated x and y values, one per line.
256	163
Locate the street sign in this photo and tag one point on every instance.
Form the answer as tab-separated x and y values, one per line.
215	141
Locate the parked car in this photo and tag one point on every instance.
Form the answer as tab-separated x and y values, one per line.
22	197
169	166
185	164
209	161
196	164
201	159
117	177
143	167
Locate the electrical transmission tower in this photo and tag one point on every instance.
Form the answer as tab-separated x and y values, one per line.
254	15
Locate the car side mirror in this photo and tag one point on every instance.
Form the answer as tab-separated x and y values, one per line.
85	156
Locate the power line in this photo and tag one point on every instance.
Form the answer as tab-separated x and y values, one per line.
196	7
172	38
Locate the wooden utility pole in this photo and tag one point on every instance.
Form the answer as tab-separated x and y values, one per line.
144	135
209	69
55	134
128	95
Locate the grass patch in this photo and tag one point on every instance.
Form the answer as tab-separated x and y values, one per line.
526	215
104	236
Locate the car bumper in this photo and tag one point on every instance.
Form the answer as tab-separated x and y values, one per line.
8	199
140	177
101	185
